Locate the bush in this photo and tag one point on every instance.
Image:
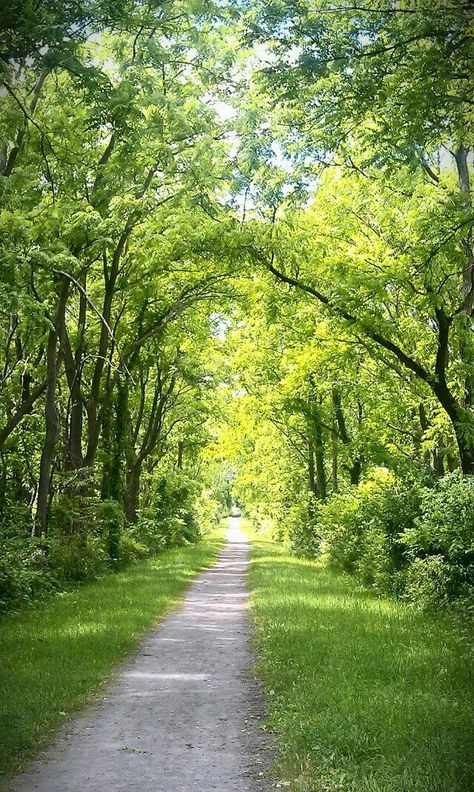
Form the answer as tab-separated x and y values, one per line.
440	545
148	534
400	537
132	550
362	529
303	531
24	572
77	557
171	518
426	581
87	537
109	519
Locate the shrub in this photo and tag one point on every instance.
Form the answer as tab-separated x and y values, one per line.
77	557
302	530
109	519
362	528
426	581
400	537
132	550
24	571
147	533
172	516
440	544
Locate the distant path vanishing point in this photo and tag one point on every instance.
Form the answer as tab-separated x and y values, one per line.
183	715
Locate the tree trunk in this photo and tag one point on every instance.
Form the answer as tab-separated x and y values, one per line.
319	456
107	455
116	468
179	462
461	420
50	416
311	469
132	492
466	450
335	455
355	467
3	486
355	471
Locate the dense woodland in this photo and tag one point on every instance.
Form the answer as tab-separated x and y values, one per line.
237	261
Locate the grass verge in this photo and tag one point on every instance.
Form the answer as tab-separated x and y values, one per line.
365	694
55	655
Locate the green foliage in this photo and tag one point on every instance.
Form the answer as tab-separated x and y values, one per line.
110	520
402	537
362	527
440	545
172	509
110	171
274	308
302	529
31	568
145	536
25	572
77	558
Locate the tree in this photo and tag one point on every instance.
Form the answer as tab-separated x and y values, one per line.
383	94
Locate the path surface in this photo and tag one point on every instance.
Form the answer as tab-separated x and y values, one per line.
183	715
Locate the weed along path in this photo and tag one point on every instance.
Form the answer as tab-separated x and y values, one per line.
184	713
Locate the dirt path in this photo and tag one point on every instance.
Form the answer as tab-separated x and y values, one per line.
183	715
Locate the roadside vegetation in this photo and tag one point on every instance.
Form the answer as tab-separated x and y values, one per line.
364	693
55	656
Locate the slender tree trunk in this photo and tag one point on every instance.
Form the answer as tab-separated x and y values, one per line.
311	469
179	462
315	429
50	416
132	492
335	459
107	455
313	487
424	423
438	462
319	456
355	471
355	467
3	486
116	468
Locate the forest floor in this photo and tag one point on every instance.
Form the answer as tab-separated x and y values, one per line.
183	713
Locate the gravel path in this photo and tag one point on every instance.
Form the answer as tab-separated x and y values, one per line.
184	714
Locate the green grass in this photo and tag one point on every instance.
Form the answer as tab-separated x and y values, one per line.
364	694
55	655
